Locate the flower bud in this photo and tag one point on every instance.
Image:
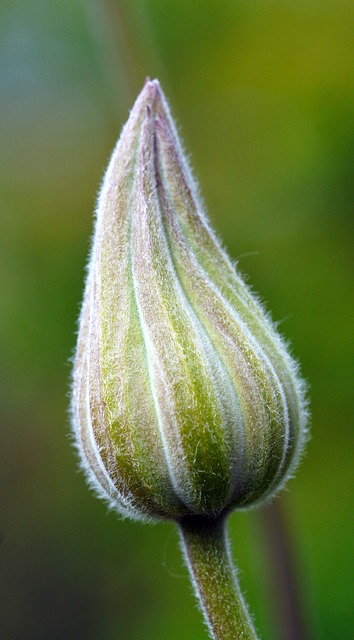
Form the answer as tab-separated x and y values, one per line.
185	399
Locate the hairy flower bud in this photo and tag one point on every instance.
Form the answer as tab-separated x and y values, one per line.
185	399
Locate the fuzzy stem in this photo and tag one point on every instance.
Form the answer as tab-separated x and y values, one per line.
208	557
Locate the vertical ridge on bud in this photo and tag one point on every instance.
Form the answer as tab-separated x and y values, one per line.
185	400
183	366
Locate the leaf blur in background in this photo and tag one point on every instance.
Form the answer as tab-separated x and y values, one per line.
263	93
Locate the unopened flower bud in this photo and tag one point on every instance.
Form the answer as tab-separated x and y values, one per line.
185	399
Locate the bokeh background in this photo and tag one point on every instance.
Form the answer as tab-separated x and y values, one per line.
263	93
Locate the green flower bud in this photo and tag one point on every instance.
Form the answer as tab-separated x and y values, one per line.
185	398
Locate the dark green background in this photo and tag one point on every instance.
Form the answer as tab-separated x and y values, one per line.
263	94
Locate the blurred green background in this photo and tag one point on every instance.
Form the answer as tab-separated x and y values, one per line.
263	94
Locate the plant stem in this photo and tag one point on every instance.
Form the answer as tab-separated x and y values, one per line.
214	579
288	609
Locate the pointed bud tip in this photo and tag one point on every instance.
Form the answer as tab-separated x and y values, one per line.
150	90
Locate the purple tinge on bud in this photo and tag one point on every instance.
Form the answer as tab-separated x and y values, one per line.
185	399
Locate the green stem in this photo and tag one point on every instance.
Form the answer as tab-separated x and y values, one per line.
214	579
